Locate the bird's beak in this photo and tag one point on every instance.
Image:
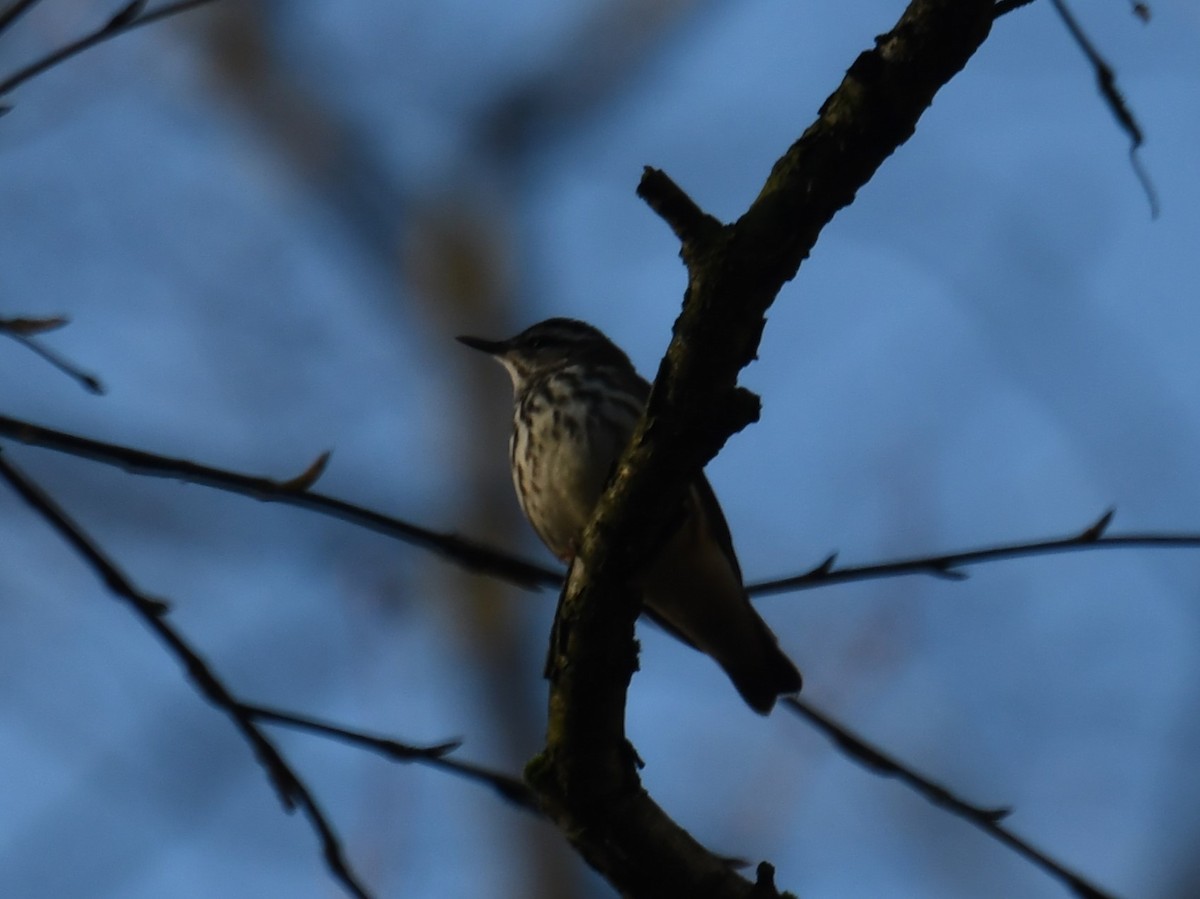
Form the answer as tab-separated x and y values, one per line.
491	347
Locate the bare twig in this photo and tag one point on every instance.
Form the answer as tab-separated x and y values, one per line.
948	566
132	15
30	326
24	330
986	819
291	789
510	788
1105	77
1106	80
472	556
392	749
877	761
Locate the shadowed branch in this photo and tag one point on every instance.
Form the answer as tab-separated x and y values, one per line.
292	492
507	787
587	774
25	332
949	565
291	789
483	559
989	820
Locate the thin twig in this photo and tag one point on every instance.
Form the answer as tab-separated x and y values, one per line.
1106	80
467	553
510	788
129	17
291	789
986	819
948	566
877	761
23	330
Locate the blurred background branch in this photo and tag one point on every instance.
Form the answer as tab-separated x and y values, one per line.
133	15
25	330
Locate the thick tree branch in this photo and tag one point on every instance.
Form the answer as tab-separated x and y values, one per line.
588	770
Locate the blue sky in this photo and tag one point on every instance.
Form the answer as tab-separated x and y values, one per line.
995	342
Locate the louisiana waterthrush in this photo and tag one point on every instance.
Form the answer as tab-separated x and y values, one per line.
577	399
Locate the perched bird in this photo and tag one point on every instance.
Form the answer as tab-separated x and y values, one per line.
577	399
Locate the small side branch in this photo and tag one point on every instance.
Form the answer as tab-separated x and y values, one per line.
291	789
25	332
507	787
689	222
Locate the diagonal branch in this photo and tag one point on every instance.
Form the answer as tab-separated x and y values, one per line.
989	820
1106	82
13	12
25	331
132	15
293	492
587	773
291	789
